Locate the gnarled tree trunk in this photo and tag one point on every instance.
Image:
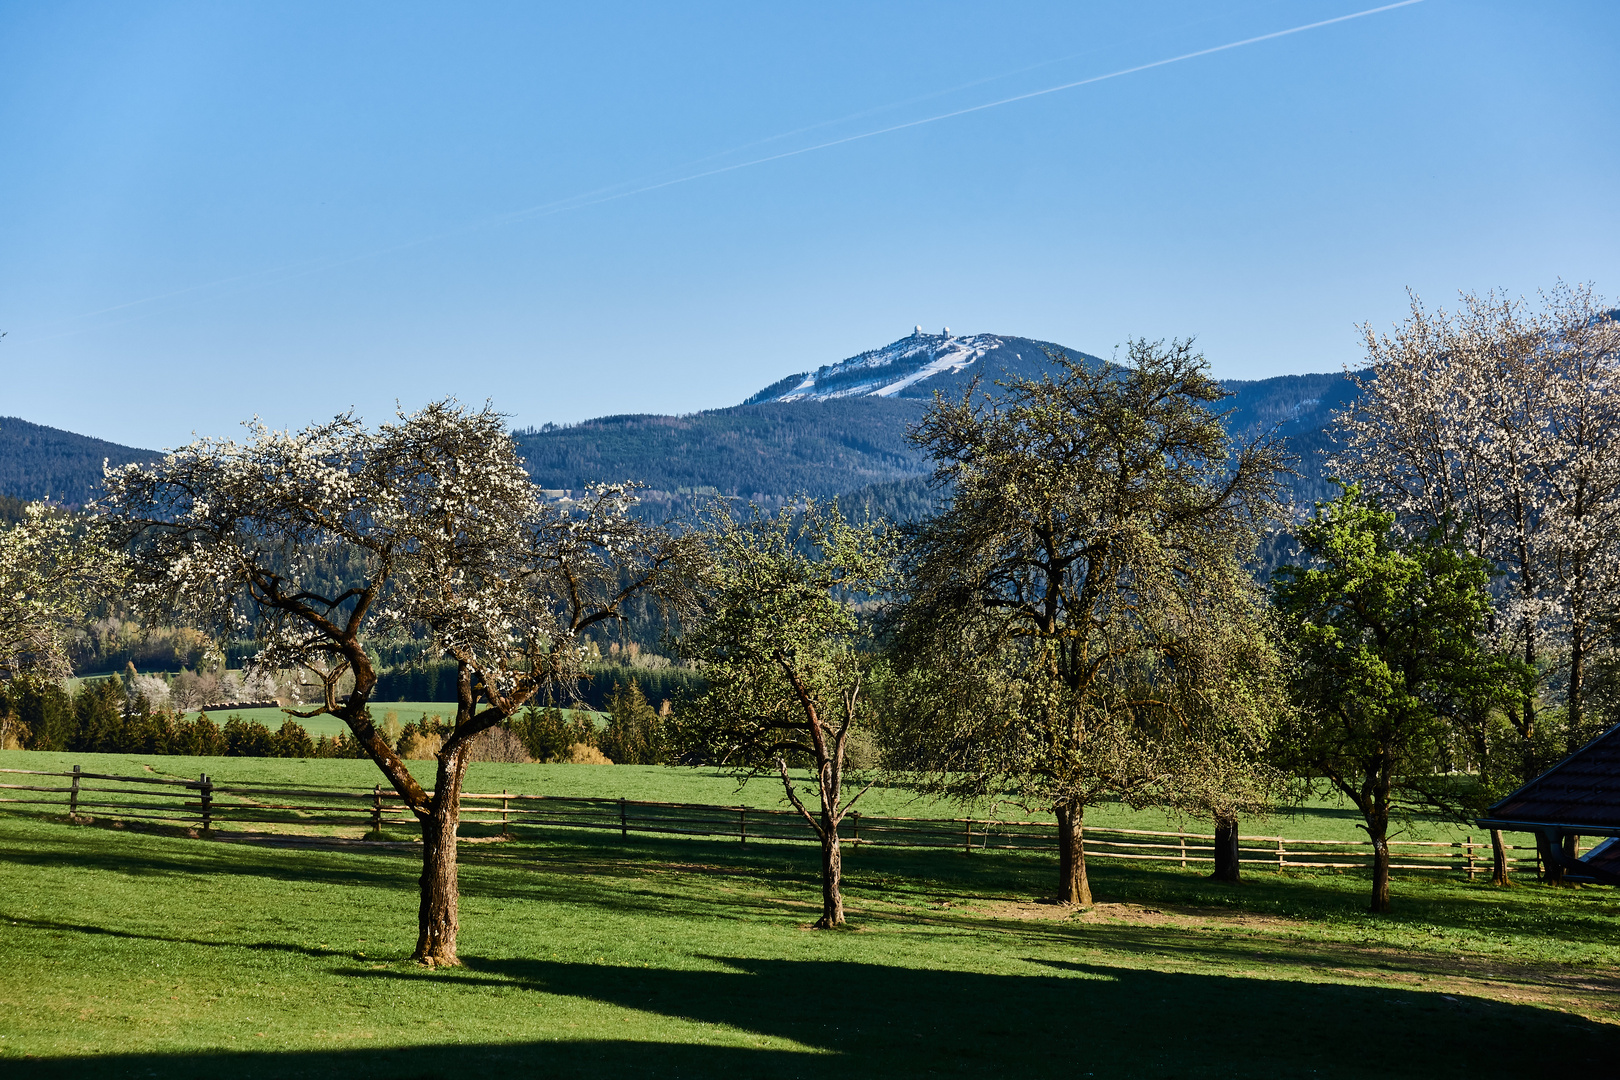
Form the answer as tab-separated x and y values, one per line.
438	912
832	876
1073	886
1226	850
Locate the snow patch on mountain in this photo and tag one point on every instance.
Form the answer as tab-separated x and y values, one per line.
887	371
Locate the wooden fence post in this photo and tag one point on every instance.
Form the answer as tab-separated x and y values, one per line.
968	843
207	803
742	824
624	821
506	829
1468	855
1183	837
376	810
73	796
1279	855
857	814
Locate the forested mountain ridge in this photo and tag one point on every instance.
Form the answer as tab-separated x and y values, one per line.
839	430
1300	408
39	462
758	451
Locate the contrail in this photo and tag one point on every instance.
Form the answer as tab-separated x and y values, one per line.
541	211
609	194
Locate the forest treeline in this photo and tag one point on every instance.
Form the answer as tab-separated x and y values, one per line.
115	716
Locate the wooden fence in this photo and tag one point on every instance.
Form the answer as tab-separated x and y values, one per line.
215	808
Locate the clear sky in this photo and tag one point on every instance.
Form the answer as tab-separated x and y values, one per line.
215	210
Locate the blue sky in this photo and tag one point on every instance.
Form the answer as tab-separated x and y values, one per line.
215	210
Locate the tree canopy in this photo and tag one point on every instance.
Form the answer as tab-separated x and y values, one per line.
1502	419
786	658
1079	623
1386	629
442	534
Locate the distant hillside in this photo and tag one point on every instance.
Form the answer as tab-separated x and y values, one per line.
840	430
38	462
837	430
752	451
1302	408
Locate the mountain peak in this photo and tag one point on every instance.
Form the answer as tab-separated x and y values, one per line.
899	368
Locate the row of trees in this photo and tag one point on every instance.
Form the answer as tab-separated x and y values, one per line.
98	718
1076	624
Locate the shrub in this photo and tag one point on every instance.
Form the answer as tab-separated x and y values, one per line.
99	720
45	711
389	729
416	745
198	738
338	746
584	754
498	744
292	741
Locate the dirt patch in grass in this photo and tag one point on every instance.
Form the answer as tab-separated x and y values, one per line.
1023	910
1133	914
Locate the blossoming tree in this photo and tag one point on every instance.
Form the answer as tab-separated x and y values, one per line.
1504	418
318	539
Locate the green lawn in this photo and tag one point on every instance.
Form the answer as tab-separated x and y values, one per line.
129	954
1323	819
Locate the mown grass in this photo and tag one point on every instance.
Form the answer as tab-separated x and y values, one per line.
1318	819
406	712
129	954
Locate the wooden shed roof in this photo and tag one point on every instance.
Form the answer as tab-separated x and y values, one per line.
1582	792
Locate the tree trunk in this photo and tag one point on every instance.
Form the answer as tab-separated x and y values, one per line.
1499	862
438	913
1552	871
1226	850
1073	885
1378	833
832	877
1575	719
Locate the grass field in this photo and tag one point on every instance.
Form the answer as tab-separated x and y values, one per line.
128	954
125	953
1322	819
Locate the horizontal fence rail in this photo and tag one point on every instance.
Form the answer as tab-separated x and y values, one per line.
213	807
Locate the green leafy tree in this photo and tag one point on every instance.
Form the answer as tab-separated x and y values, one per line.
1386	629
786	659
1079	622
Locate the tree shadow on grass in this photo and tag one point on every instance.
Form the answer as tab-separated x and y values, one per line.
1060	1019
150	856
656	877
54	926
